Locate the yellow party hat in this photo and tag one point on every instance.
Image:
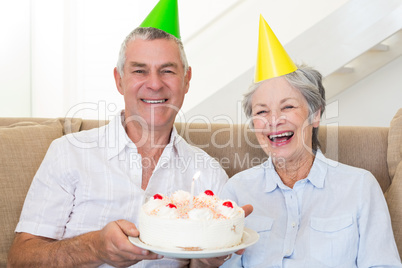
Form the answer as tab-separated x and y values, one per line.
272	59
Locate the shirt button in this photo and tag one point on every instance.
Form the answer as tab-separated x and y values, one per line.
293	224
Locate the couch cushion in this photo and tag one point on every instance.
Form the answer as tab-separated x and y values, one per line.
394	154
22	148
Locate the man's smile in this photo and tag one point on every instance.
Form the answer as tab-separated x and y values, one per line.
154	101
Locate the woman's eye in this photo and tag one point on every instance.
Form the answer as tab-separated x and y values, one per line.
261	112
289	107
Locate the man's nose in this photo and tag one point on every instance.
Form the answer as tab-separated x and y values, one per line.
154	81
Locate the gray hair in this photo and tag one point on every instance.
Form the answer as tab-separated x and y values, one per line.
148	33
309	82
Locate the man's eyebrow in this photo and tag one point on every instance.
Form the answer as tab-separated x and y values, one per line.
169	64
137	64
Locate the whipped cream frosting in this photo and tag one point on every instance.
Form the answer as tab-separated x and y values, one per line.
203	207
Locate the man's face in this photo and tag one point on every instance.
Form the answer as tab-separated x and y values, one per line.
154	82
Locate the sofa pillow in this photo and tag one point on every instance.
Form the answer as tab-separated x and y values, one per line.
394	153
22	149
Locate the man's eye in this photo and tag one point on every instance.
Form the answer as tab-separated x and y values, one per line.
167	71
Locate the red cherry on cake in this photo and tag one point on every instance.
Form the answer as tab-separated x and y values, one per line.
228	204
209	192
170	205
158	196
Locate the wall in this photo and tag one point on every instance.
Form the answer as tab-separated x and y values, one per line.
373	101
15	63
74	47
58	58
225	51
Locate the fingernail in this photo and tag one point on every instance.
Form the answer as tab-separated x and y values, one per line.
145	252
159	256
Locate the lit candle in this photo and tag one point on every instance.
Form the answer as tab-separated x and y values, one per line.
195	177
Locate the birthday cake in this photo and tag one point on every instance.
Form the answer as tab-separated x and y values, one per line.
182	221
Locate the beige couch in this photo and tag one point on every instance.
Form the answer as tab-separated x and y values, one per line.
24	142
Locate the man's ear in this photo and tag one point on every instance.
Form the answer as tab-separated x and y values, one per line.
317	118
187	78
117	79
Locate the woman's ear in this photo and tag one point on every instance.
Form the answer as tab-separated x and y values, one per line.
316	118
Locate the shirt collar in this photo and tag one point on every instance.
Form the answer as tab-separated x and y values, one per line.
117	138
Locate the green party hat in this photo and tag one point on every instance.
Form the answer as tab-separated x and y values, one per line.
165	17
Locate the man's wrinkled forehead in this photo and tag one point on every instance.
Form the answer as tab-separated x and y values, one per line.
163	52
136	64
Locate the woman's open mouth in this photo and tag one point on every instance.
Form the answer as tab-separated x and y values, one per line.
281	137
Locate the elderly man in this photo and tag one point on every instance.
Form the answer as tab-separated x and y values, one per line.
83	202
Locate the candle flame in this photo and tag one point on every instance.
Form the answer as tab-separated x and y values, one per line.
196	175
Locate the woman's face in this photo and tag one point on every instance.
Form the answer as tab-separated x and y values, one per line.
280	117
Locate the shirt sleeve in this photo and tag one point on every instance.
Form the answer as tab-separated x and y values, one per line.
49	201
377	247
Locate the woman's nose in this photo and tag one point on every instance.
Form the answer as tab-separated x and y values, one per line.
276	119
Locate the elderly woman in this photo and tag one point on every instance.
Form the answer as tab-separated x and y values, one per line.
308	210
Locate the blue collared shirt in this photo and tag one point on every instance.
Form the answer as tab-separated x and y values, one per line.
336	217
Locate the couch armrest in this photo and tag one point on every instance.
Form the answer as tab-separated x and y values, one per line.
394	201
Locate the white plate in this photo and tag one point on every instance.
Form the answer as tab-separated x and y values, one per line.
248	239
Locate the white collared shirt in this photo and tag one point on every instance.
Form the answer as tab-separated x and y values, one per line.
336	217
90	178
